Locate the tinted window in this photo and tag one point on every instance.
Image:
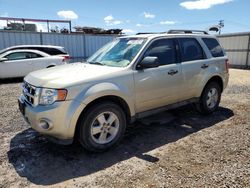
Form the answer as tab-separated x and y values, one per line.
32	55
51	51
16	56
214	47
22	55
190	49
164	49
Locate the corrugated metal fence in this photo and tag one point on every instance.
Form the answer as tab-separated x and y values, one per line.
237	47
79	46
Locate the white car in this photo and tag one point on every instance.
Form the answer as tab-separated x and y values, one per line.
48	49
18	63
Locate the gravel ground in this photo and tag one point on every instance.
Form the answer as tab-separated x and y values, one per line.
183	150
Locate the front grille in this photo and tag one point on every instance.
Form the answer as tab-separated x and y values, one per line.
30	93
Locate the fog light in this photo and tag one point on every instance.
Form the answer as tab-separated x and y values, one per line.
44	124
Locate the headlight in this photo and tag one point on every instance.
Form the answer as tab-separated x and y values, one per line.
49	96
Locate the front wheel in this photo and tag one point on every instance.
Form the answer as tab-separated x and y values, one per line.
102	127
210	98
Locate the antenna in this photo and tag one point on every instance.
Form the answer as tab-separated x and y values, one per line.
221	24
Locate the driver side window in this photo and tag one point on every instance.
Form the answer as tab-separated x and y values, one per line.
16	56
22	55
164	50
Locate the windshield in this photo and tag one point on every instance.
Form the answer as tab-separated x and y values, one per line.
118	53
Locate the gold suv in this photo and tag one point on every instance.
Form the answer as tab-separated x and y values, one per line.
129	78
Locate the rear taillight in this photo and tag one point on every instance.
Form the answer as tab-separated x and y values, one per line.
227	65
65	58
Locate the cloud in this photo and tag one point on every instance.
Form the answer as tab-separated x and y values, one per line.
67	14
144	25
128	31
139	25
3	23
148	15
167	22
109	20
202	4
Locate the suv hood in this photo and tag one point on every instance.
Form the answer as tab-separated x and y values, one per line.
68	75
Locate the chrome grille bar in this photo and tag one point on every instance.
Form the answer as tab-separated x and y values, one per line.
30	93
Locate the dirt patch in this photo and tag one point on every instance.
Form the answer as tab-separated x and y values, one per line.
189	151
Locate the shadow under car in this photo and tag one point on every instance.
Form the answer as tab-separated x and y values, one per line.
45	163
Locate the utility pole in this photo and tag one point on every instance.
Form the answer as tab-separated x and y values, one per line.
221	24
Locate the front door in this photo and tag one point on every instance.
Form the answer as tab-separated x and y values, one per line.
159	86
16	65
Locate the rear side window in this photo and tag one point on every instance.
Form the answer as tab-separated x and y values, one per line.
164	49
190	49
214	47
32	55
52	51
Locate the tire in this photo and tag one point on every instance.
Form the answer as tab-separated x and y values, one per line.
50	66
102	127
210	98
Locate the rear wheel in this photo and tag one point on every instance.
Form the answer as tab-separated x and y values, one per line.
210	98
102	127
51	66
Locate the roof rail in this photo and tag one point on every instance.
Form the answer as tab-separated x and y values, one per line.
146	33
187	31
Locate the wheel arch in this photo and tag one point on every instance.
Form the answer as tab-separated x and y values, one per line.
49	66
108	98
216	79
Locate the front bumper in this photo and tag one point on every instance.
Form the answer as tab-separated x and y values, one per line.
60	116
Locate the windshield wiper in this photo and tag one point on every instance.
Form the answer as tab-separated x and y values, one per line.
95	63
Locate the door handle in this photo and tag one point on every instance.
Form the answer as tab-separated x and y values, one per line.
204	66
172	72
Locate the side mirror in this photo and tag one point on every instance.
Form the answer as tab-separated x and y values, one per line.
148	62
3	59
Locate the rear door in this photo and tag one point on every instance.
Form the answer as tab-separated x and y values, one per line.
218	57
159	86
194	64
38	61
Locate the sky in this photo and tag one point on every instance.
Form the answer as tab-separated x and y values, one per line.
135	16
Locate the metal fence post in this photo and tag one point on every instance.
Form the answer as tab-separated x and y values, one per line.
84	46
248	51
41	38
